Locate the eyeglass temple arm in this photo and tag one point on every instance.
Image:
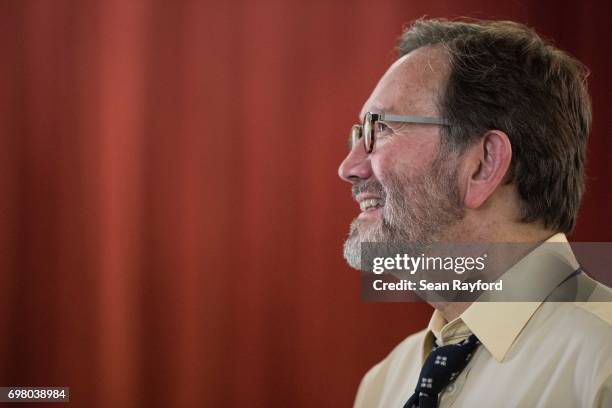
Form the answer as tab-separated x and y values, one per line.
414	119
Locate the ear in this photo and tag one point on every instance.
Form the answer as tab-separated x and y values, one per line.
486	164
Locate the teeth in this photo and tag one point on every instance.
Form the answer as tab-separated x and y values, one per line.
369	203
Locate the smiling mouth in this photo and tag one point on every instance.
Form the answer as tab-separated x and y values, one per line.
371	204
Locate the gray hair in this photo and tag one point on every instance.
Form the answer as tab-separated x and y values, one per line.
504	76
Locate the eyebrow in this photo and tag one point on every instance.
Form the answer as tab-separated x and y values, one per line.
390	110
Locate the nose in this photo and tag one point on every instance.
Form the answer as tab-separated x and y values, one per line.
356	165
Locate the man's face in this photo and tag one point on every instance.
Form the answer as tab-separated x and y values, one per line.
407	187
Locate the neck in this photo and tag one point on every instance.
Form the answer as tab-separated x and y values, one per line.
450	311
515	233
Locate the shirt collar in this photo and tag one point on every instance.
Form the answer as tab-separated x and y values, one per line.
497	324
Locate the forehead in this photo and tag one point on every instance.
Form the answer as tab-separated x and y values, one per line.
411	85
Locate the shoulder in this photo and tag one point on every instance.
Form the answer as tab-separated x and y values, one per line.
587	302
579	336
410	348
590	317
599	301
585	323
398	366
591	321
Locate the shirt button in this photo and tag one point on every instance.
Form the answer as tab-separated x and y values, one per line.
451	388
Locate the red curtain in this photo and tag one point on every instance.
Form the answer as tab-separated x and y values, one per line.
171	221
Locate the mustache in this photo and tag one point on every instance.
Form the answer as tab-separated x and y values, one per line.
369	186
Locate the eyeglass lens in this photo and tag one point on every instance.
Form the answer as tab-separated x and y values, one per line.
365	131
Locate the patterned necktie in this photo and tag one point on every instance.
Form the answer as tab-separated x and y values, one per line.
442	366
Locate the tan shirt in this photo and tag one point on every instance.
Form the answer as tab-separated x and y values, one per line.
533	354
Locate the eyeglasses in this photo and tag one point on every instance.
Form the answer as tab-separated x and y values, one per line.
367	130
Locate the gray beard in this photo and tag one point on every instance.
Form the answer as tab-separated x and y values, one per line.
415	212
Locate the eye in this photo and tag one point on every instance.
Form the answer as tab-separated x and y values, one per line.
382	127
383	130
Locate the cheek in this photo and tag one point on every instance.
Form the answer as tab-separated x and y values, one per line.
407	161
383	166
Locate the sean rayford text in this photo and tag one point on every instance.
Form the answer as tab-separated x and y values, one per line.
423	285
413	264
